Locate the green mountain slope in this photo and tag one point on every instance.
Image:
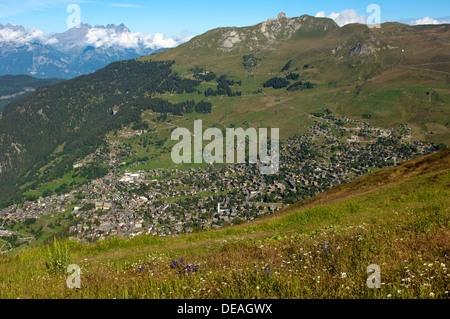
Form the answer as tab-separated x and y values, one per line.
271	74
397	219
14	87
394	74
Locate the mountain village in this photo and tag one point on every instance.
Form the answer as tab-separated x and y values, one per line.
171	202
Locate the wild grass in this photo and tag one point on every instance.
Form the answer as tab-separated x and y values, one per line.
58	258
319	249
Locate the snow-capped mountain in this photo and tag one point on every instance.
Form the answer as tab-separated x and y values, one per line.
77	51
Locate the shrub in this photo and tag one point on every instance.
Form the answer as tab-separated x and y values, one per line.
58	258
293	76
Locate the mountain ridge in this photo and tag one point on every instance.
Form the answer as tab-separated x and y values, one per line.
270	31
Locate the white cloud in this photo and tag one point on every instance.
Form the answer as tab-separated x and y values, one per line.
22	36
428	20
99	37
158	40
321	14
344	17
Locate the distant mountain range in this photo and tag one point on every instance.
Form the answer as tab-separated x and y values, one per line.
80	50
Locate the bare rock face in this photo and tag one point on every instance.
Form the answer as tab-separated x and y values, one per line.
361	50
230	39
357	50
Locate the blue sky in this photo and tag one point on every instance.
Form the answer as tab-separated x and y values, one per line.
171	17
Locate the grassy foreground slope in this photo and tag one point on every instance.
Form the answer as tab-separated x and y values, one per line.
397	218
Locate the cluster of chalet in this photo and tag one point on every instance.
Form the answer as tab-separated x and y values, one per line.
169	202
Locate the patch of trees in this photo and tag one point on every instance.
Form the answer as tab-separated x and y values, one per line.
12	240
202	75
163	106
280	82
300	86
29	221
207	77
175	84
141	125
92	171
276	83
293	76
62	188
203	107
220	92
224	87
287	66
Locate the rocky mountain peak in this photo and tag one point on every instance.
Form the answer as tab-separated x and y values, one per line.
263	35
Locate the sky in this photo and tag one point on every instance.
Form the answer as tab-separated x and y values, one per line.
194	17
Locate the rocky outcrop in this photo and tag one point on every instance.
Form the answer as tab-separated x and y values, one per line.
361	50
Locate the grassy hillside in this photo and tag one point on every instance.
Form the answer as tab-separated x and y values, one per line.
320	248
395	74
